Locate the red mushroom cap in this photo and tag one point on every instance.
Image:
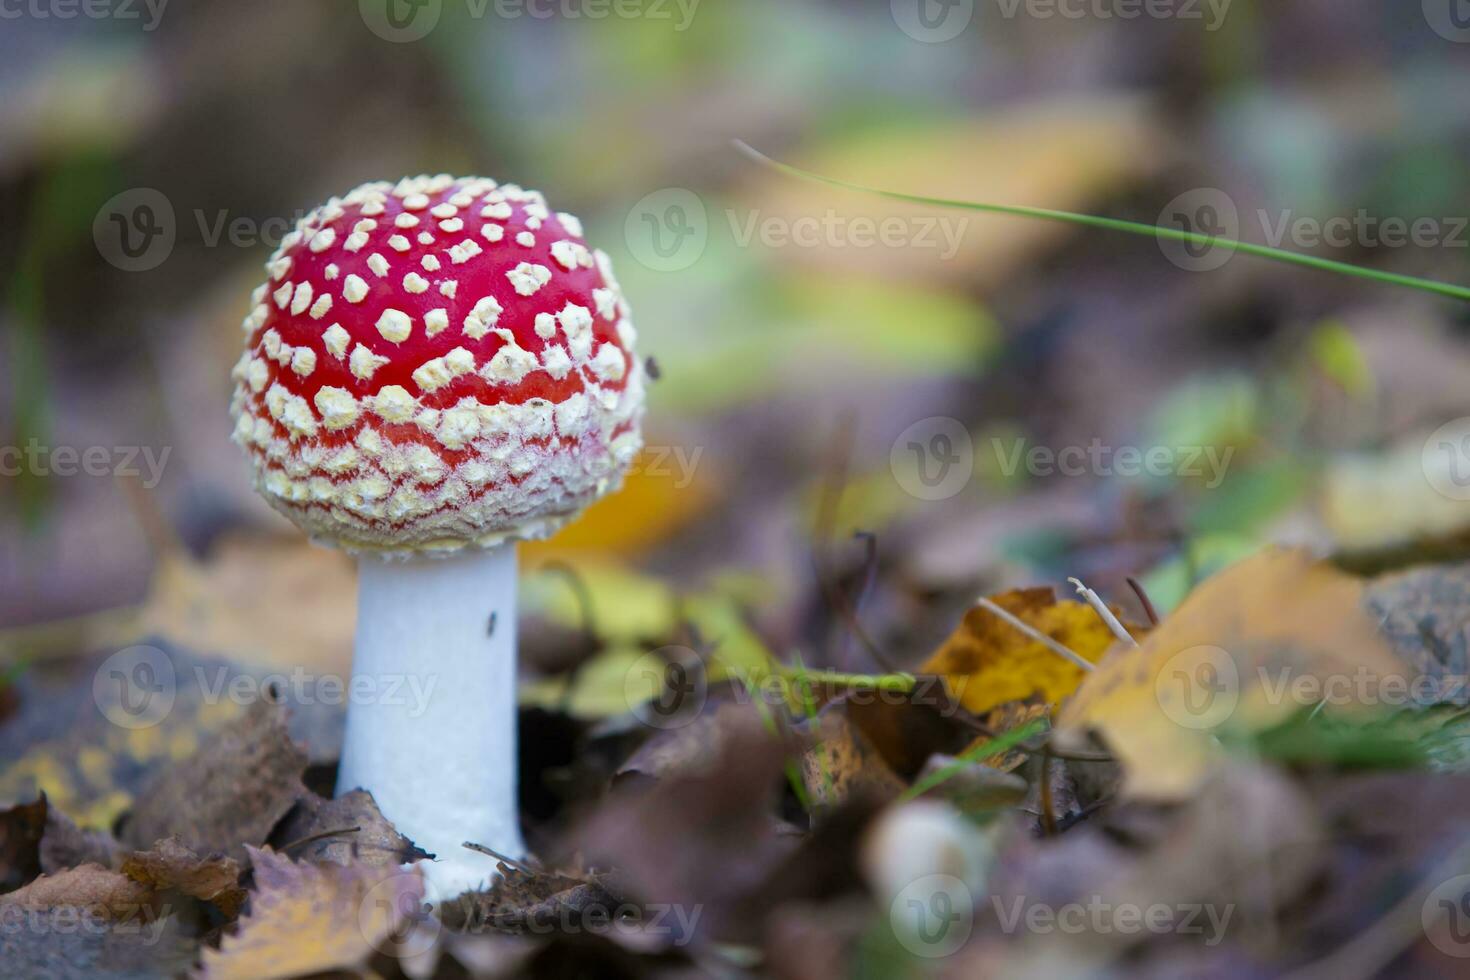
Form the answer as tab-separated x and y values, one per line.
437	364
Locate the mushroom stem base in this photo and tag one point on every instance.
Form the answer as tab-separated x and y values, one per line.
431	722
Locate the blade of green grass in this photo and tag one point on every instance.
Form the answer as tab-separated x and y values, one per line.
1131	227
1001	743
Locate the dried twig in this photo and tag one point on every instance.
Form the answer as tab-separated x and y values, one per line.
1103	612
1144	600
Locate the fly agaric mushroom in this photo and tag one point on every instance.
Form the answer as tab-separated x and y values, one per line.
435	370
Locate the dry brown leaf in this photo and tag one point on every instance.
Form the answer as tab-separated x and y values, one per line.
375	841
92	762
312	918
1425	615
988	662
104	891
170	866
526	899
1002	719
1233	658
229	794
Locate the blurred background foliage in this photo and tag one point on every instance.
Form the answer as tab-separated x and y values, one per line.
786	371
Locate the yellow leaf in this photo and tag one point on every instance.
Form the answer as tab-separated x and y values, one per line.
1233	659
307	918
665	490
987	662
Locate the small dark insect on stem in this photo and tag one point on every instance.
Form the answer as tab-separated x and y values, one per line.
1143	599
652	368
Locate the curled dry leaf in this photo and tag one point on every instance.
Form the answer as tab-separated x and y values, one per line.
321	831
230	793
313	918
171	867
1234	658
527	899
988	662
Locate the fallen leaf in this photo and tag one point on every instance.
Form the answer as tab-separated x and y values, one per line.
842	765
21	829
107	893
654	504
170	866
229	794
700	841
988	662
1002	719
1240	853
91	761
526	899
1233	658
376	842
1380	503
310	918
1425	615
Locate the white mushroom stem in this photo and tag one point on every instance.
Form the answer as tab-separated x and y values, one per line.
431	722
